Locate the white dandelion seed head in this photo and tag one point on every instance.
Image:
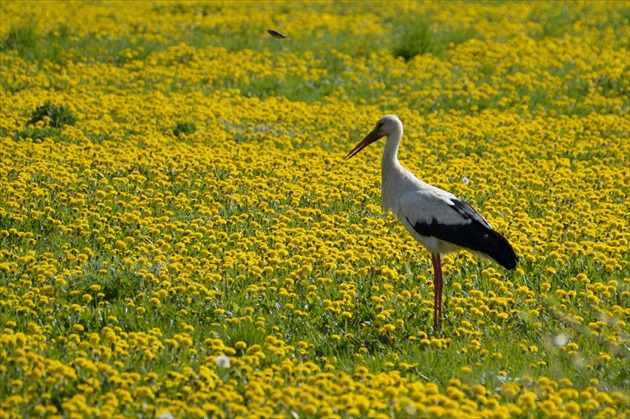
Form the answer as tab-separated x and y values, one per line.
166	415
223	361
578	362
465	181
561	339
410	409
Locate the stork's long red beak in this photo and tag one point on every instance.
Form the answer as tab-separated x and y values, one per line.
369	139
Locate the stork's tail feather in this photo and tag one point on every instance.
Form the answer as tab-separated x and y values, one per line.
498	248
476	236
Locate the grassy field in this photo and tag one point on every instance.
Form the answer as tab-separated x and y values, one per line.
180	237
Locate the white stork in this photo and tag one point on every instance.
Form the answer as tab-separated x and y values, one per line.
435	218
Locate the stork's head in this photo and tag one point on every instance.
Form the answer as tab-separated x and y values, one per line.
384	127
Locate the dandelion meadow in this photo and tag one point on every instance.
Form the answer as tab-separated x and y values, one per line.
180	237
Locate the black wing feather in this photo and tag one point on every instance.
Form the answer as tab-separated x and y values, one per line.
476	234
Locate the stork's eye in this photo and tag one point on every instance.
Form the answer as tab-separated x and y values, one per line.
380	125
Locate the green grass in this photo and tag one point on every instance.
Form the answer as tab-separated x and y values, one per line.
418	36
23	39
184	128
57	116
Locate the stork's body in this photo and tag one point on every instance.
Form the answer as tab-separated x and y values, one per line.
435	218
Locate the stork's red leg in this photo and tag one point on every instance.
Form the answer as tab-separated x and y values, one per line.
438	283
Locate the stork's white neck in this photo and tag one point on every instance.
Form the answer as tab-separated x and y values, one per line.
390	152
392	171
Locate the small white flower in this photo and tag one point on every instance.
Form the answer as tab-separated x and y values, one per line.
465	181
223	361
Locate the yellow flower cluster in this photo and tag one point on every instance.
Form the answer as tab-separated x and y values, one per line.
299	387
193	246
